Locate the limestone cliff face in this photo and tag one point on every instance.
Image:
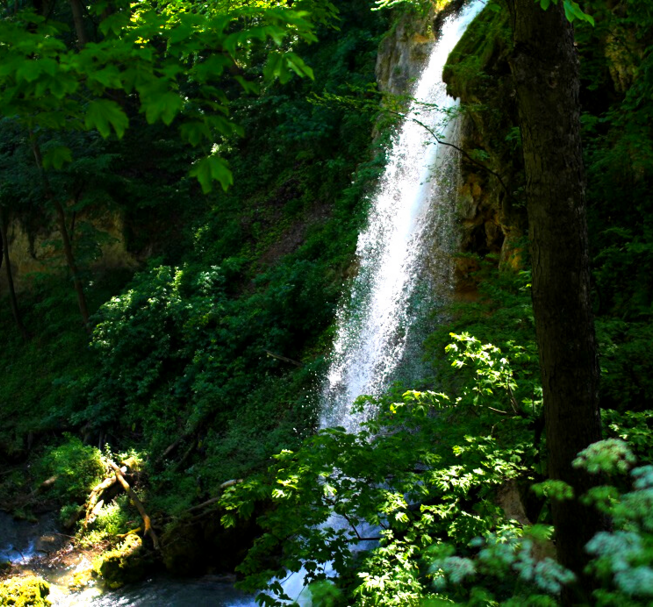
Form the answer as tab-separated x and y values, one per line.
405	48
36	251
491	210
491	207
403	53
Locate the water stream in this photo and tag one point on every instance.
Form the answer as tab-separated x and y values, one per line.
404	255
405	251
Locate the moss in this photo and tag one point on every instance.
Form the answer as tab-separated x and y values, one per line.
485	40
81	579
24	592
125	564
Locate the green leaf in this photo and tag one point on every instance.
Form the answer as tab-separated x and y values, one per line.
212	67
9	67
297	64
212	168
553	488
181	32
165	107
248	87
101	114
273	66
62	85
56	157
194	132
115	23
108	77
574	11
29	71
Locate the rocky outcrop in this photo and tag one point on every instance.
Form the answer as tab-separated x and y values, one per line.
492	211
35	250
403	53
201	544
491	208
405	48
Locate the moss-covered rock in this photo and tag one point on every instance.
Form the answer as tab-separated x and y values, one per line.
125	564
193	547
491	211
24	592
480	56
182	549
81	579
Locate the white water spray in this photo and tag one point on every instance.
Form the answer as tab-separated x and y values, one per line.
407	244
411	218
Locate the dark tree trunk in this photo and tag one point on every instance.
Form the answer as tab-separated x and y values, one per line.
544	65
10	278
70	260
65	237
78	19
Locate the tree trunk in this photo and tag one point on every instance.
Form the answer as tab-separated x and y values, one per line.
10	278
78	19
70	260
67	245
544	65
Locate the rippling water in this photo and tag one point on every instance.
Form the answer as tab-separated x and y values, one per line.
22	542
163	591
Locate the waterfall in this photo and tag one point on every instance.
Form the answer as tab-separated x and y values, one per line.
405	248
404	255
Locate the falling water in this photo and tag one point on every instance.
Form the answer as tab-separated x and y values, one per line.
404	255
405	251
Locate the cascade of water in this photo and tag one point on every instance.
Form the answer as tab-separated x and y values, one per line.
411	214
407	244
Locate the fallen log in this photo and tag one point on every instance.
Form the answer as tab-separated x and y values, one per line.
137	502
94	497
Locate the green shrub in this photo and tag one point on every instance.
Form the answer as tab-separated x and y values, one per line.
75	467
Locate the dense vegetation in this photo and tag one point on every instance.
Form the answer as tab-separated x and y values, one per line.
195	358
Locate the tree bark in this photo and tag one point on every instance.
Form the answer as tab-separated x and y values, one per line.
10	278
78	19
545	70
65	237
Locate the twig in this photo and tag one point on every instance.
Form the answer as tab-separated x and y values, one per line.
455	147
498	411
213	500
284	358
513	400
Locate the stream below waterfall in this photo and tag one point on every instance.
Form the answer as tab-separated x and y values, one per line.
24	543
404	256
